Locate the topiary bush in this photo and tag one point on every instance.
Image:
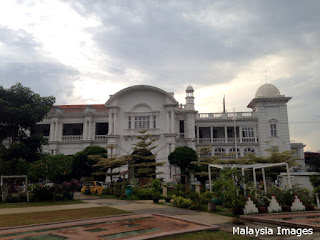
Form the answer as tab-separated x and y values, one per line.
182	202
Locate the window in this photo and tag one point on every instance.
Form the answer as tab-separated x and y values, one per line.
43	129
72	129
219	152
232	152
102	128
142	122
273	129
154	121
247	132
248	150
181	126
129	122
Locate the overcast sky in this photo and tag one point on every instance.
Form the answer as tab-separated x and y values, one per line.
81	51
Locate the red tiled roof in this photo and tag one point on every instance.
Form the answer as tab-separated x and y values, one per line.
80	108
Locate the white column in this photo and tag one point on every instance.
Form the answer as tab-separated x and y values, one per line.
211	134
110	124
172	121
56	131
240	133
89	130
198	137
51	138
114	123
225	134
255	133
85	129
168	122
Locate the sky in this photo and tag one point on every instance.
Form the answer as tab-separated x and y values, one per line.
82	51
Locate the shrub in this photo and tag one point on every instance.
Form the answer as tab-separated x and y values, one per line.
182	202
142	193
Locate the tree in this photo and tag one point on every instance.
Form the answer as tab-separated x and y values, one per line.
143	161
201	166
56	168
20	110
82	165
183	157
104	163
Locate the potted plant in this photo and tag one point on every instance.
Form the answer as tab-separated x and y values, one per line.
156	195
306	198
168	198
262	202
285	199
238	203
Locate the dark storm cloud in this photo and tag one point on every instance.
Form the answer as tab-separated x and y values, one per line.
44	78
162	38
21	62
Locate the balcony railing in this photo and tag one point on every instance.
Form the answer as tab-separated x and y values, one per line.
223	140
72	138
101	137
225	115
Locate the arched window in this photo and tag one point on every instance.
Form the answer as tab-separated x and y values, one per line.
219	152
248	150
232	152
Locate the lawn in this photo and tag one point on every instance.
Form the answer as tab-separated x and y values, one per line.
11	220
205	235
39	204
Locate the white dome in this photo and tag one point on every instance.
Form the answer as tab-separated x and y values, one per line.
189	89
268	91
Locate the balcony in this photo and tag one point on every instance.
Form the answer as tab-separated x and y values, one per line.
72	138
219	141
101	138
225	115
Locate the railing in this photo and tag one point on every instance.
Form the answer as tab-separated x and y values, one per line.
181	135
219	140
101	137
223	140
231	140
204	140
248	140
225	115
72	138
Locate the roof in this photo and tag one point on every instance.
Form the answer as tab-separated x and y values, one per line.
268	91
81	108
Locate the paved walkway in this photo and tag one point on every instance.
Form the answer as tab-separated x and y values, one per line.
226	224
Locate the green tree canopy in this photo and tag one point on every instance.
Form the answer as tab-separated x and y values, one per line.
183	157
82	165
106	164
20	110
56	168
143	161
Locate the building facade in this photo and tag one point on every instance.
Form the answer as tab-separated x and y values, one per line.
71	128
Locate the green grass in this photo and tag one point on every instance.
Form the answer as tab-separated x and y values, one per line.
39	204
205	235
11	220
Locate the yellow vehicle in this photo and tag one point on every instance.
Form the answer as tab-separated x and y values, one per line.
94	186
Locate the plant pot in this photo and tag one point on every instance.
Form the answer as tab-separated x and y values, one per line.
155	200
211	206
286	209
262	209
309	208
217	201
237	210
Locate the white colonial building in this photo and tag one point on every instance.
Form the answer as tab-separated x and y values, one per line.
71	128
